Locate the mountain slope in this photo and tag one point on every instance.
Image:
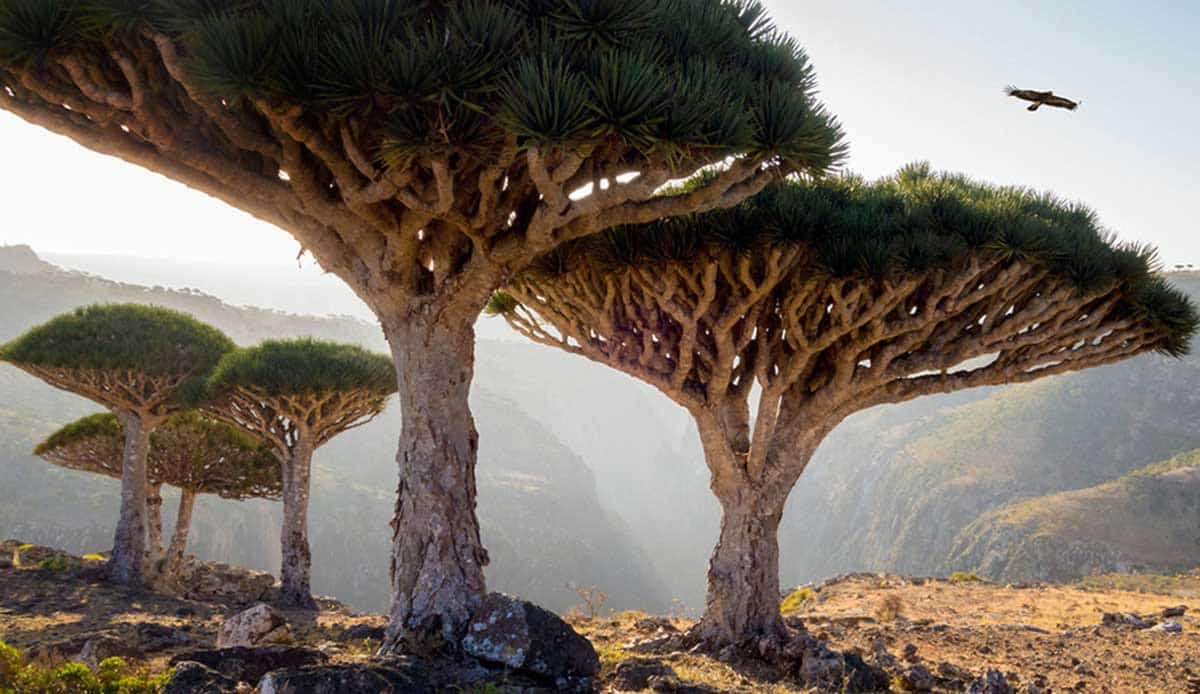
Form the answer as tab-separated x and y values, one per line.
1145	522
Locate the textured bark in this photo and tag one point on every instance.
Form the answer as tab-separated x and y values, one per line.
129	544
437	556
183	525
294	572
743	572
154	527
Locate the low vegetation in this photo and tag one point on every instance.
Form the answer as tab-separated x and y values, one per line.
18	675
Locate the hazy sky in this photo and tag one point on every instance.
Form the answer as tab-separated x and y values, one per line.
910	81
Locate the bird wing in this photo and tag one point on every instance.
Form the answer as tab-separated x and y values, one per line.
1061	102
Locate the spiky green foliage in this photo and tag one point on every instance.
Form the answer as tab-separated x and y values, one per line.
663	75
147	339
188	451
915	221
305	366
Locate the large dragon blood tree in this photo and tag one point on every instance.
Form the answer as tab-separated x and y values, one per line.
191	452
295	396
772	322
142	363
424	152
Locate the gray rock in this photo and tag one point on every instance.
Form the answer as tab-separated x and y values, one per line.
212	582
992	682
1169	627
260	625
1177	611
89	648
250	664
398	676
1121	619
194	678
153	637
634	674
918	678
520	635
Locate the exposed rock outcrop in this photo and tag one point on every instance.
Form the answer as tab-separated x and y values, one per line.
260	625
517	634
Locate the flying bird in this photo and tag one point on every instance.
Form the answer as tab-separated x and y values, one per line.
1039	98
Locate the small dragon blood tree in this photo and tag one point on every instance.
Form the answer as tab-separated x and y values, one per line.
194	453
423	152
826	298
296	395
141	362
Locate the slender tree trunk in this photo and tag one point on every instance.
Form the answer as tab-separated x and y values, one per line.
179	538
437	554
154	527
129	544
297	558
743	572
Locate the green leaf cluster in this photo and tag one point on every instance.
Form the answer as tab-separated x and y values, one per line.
147	339
915	221
187	451
304	366
423	76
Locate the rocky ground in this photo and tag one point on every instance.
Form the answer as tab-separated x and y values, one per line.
908	634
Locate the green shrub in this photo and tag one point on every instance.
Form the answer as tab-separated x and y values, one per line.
53	564
797	599
965	577
114	676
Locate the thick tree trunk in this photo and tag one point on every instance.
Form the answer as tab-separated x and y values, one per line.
297	558
437	555
154	527
183	525
129	544
743	573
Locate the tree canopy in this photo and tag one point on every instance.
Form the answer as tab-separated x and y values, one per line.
831	297
188	451
357	124
122	337
305	366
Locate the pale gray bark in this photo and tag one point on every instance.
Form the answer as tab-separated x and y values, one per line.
129	544
437	555
296	566
183	525
154	526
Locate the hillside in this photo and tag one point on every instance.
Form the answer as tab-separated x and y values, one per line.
893	487
1145	522
535	492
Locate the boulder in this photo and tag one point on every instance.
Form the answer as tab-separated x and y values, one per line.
250	664
522	636
1169	627
89	648
991	682
1177	611
1121	619
153	637
918	678
260	625
396	676
633	675
194	678
212	582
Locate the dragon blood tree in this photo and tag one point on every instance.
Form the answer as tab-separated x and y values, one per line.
142	363
823	299
194	453
424	152
296	395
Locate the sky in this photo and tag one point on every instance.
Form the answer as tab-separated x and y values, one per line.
909	81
